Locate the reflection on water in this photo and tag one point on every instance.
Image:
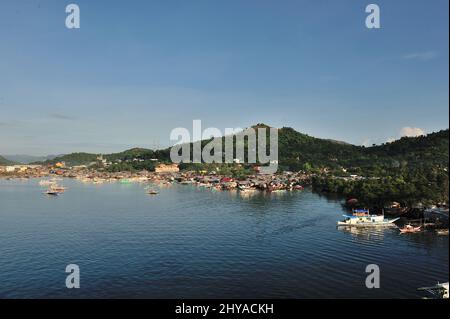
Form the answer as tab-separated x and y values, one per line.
189	242
372	234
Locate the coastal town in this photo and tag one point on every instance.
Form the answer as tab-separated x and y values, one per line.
163	175
167	174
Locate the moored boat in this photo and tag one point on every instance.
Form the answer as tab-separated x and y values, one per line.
363	218
410	229
442	232
50	192
57	188
439	290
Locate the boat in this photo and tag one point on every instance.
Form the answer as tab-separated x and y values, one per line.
57	188
152	192
245	188
439	290
277	190
363	218
52	193
442	232
248	190
410	229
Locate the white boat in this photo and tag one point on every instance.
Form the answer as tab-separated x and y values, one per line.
57	188
440	290
363	218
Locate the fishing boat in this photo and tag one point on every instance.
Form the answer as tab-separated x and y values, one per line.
277	190
410	229
50	192
248	190
363	218
57	188
439	290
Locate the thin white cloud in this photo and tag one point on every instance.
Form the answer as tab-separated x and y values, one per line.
366	142
411	131
423	56
390	140
404	132
60	116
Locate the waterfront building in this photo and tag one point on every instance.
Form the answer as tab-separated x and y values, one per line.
167	168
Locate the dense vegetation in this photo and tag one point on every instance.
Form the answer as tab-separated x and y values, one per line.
411	170
299	151
73	159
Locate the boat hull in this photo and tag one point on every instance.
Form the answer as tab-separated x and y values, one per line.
386	223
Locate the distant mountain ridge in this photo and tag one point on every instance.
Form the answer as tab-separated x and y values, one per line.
4	161
27	159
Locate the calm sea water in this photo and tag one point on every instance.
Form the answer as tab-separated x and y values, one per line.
193	243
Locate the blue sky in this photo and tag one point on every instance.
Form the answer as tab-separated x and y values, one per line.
137	69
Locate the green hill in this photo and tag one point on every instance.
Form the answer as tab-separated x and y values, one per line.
431	149
73	159
4	161
410	170
299	151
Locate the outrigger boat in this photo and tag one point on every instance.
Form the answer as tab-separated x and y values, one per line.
363	218
442	232
439	290
57	188
410	229
52	193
